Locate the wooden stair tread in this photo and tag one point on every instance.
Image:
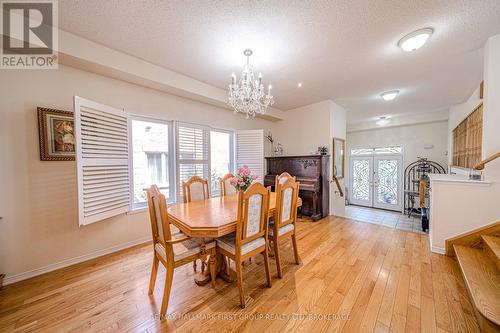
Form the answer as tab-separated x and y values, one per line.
493	242
482	279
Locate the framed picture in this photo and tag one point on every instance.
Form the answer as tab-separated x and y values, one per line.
338	157
57	136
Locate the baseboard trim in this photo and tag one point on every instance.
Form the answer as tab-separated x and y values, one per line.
68	262
437	249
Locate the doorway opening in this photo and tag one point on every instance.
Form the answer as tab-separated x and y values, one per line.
376	177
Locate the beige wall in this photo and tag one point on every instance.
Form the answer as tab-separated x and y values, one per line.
38	200
304	129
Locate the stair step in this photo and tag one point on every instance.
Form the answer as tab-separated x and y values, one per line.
493	242
482	279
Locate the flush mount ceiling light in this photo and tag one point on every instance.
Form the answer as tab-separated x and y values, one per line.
299	84
415	40
382	121
389	95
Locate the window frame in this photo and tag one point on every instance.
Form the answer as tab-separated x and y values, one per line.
232	150
171	162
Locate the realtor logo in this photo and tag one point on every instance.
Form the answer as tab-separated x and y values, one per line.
29	34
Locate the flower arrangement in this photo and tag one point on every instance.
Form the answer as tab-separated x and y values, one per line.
243	178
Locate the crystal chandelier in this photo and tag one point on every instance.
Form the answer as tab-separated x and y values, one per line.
248	95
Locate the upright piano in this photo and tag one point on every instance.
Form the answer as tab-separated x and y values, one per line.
312	172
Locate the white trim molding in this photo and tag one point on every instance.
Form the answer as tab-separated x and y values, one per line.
72	261
437	249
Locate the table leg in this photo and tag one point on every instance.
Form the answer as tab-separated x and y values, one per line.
222	270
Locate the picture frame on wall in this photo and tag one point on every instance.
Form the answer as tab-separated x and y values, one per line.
56	134
338	158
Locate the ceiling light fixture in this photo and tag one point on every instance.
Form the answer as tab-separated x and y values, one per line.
382	121
389	95
248	94
299	84
415	40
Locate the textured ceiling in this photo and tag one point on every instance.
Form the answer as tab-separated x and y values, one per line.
343	50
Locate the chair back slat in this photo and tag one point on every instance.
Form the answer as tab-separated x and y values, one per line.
253	207
195	189
286	203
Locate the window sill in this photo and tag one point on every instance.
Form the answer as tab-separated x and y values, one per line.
137	210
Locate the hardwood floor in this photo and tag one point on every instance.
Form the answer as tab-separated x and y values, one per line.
354	277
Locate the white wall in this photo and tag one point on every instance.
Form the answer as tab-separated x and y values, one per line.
412	137
38	200
491	133
337	130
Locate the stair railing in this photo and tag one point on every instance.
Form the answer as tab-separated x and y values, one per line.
480	165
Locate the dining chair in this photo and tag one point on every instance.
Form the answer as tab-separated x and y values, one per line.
225	185
285	217
280	179
250	237
195	189
172	249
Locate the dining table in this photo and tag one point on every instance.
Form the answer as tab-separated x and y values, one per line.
209	219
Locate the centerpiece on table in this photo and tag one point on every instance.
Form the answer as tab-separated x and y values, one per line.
243	179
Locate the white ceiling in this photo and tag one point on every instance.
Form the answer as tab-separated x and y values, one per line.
341	50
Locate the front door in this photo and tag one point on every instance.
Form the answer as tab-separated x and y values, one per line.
387	182
362	181
376	179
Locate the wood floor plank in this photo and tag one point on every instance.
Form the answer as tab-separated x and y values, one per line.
354	277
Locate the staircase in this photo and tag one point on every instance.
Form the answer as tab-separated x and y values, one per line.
478	255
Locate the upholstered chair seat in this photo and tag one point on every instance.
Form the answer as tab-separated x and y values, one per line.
228	243
184	249
283	230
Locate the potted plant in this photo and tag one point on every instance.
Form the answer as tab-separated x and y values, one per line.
323	150
243	179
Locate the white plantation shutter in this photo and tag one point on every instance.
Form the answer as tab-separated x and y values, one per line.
102	160
250	151
193	149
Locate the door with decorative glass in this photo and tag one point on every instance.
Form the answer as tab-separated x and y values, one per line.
386	184
362	180
376	177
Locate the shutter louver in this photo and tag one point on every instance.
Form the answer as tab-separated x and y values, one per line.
102	155
250	151
193	144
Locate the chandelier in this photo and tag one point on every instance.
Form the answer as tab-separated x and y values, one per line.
248	95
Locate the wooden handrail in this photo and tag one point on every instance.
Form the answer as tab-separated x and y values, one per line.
480	165
341	193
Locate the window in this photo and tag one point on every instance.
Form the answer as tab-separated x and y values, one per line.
467	140
151	159
193	143
377	151
221	157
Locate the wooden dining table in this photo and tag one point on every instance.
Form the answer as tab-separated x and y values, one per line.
211	218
